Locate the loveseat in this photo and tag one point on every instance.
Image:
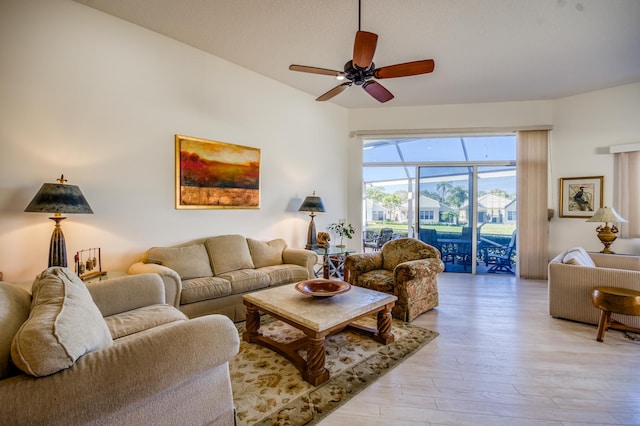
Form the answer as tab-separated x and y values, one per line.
407	268
574	273
110	353
210	275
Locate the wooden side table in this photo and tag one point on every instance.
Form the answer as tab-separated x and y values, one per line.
618	300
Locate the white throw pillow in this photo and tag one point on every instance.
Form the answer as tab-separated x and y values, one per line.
578	256
64	324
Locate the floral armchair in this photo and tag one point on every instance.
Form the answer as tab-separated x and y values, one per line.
406	268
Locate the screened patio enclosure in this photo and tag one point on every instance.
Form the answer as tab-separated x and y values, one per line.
441	189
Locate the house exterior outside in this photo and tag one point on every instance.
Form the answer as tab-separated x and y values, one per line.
491	209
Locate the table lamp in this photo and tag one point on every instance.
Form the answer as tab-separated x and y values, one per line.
606	234
312	204
58	198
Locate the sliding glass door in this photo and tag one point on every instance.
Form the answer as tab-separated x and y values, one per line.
467	209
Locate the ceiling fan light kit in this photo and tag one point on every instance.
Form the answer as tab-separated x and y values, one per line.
361	70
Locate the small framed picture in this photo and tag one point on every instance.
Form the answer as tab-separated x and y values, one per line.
581	196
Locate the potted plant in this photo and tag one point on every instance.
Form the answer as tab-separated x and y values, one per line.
342	230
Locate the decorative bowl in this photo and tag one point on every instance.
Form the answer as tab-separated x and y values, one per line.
321	287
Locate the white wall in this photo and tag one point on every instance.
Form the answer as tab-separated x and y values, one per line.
100	100
584	127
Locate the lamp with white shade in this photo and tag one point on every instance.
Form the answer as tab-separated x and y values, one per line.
606	233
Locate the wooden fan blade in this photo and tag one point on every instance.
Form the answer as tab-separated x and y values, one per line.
377	91
364	48
404	70
335	91
315	70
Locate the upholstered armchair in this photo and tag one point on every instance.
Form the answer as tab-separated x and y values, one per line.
406	268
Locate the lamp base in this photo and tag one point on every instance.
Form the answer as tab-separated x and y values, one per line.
607	236
58	247
312	242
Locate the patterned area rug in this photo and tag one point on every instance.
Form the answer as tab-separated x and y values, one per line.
268	389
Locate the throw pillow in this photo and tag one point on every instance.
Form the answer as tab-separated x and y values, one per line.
229	253
64	324
188	261
578	256
267	253
15	304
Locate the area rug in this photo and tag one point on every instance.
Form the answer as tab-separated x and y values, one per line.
268	389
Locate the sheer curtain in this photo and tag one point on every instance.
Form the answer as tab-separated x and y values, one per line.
626	195
533	226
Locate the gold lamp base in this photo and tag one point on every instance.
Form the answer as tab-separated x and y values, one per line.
607	236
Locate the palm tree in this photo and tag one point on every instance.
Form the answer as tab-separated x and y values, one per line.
457	196
444	186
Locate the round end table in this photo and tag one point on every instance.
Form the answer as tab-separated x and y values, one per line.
615	300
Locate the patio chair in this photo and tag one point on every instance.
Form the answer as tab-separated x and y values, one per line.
385	235
369	237
501	258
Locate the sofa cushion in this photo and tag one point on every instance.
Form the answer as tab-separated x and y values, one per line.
204	288
246	280
188	261
141	319
266	253
63	325
229	253
281	274
578	256
15	304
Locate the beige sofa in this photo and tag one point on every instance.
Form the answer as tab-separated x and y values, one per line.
110	353
572	277
210	275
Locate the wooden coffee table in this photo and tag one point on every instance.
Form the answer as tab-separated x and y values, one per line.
317	318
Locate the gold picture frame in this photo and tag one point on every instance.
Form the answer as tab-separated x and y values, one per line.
216	175
581	197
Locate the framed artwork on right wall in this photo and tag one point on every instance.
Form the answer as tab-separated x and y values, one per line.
581	197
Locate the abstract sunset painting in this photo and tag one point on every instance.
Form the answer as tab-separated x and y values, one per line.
212	174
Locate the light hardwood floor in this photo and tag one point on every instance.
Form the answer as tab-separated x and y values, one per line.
501	359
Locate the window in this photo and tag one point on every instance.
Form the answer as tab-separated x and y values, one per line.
426	215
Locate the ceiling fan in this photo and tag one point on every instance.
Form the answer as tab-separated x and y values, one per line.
361	70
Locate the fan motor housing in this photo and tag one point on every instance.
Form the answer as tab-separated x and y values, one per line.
357	75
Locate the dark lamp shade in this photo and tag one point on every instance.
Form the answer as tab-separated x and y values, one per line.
59	198
312	204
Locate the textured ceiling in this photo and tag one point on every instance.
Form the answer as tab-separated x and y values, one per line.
485	50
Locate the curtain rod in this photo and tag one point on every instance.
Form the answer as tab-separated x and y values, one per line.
628	147
448	131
